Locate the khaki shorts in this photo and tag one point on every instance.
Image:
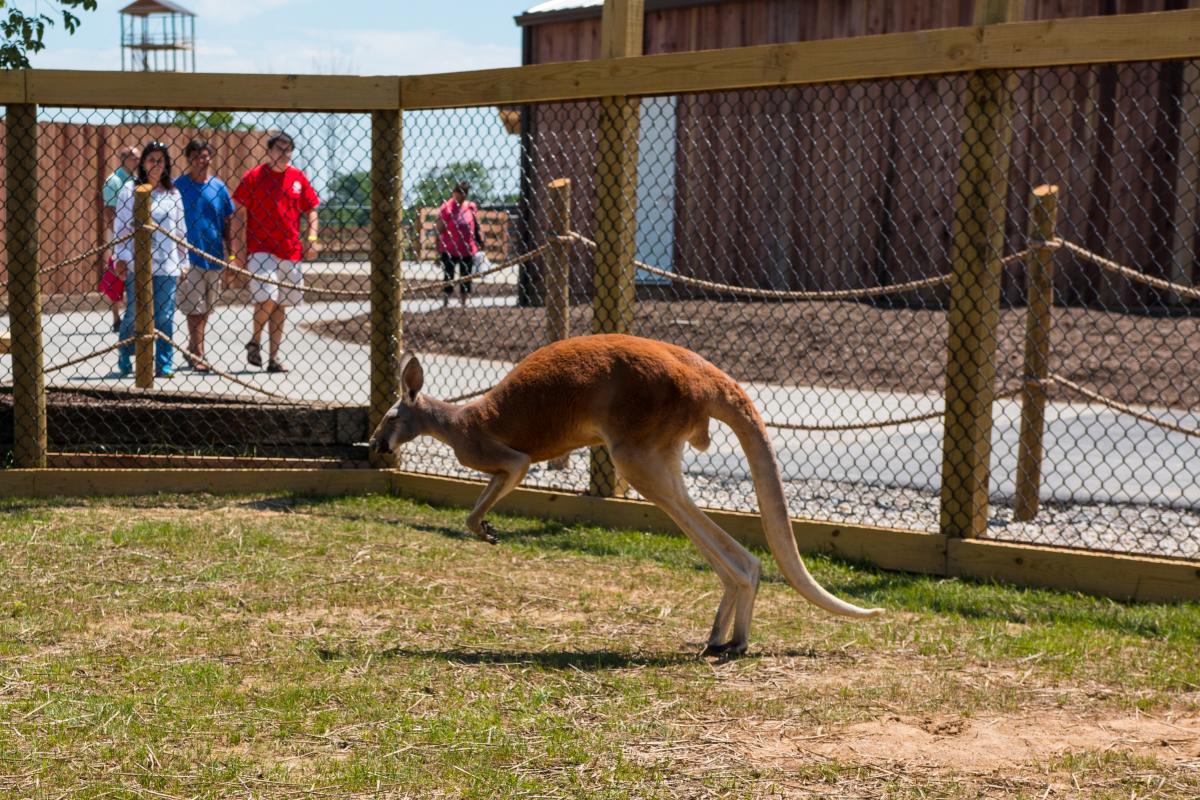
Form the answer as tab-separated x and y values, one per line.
268	266
199	291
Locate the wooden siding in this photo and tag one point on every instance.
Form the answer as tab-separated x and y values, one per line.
852	184
75	159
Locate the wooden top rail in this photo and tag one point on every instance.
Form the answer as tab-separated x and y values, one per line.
1086	40
199	90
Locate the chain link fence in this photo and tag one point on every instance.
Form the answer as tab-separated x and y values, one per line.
1007	257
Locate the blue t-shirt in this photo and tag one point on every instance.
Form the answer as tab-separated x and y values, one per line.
207	208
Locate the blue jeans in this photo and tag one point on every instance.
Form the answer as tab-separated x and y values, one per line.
164	321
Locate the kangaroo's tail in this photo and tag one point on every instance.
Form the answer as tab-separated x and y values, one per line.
736	410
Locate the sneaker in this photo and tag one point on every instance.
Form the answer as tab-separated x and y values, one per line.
254	354
276	366
166	374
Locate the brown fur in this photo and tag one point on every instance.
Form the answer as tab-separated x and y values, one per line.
642	399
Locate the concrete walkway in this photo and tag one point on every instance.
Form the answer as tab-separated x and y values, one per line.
1093	454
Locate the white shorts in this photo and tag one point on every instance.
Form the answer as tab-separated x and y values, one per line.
266	265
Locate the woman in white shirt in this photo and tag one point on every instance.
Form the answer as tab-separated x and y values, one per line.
167	256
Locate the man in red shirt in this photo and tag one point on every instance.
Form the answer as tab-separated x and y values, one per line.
274	195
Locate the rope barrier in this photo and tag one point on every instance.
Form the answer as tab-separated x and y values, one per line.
1118	406
90	356
348	292
1126	272
862	426
180	348
261	279
1053	244
86	255
775	294
422	287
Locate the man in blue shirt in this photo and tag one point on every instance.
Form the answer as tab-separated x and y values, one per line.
207	208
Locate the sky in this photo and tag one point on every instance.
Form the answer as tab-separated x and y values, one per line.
345	37
352	37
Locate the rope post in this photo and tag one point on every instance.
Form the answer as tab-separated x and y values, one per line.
387	259
143	290
1043	216
558	273
977	270
24	287
621	32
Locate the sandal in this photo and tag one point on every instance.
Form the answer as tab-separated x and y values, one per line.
200	366
254	354
276	366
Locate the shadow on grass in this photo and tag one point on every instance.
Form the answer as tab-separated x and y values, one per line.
587	660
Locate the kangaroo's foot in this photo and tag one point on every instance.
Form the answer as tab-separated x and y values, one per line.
486	533
729	649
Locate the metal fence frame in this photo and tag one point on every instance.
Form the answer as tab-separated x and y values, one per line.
986	53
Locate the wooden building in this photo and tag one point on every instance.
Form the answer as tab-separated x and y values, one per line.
852	184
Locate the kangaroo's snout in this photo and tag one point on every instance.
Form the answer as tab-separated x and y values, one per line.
379	445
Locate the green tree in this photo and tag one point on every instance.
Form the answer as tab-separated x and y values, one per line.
23	32
432	189
436	184
349	199
209	120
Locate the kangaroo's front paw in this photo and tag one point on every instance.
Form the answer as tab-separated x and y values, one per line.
486	533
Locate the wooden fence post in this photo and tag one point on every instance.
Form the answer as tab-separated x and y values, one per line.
973	314
558	261
558	273
1043	215
387	258
143	290
621	30
24	287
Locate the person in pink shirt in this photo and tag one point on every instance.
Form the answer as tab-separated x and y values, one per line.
458	237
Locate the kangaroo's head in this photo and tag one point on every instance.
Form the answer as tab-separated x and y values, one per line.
399	423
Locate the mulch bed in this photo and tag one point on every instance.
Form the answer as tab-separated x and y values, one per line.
1135	359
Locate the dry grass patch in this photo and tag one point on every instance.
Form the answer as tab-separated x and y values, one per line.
286	647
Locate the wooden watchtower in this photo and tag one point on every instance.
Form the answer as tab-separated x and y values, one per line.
157	36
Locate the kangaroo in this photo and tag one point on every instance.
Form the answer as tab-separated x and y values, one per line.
643	400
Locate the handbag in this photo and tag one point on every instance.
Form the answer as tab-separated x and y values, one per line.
480	262
110	285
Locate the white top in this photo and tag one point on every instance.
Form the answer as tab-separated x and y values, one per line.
166	211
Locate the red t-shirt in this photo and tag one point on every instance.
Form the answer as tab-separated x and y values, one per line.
274	202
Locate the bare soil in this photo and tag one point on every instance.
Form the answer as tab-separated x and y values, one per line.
1153	361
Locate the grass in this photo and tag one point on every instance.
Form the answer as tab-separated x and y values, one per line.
265	646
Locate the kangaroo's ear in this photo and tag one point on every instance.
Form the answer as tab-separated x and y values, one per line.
412	376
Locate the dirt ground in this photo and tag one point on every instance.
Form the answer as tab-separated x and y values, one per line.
1136	359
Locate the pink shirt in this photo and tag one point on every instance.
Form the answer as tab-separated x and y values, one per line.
458	229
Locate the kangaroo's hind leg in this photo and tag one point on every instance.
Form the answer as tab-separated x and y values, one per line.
658	476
